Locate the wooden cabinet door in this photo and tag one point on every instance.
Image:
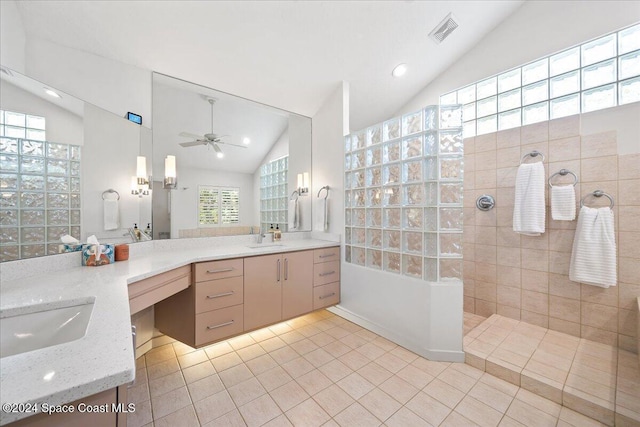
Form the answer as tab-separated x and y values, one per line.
297	285
263	277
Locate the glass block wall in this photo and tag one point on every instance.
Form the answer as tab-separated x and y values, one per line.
274	195
403	195
39	196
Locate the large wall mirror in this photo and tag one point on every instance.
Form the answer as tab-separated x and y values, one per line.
61	161
226	165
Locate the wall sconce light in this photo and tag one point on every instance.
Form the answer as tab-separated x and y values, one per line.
303	183
140	182
170	176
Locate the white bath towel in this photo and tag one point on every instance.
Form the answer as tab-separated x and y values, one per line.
294	214
593	260
111	214
529	209
563	203
322	219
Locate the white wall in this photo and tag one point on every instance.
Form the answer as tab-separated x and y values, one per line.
62	125
12	37
184	202
625	119
535	30
108	161
299	162
112	85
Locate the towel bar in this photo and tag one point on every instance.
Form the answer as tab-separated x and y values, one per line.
597	193
326	187
110	190
534	153
563	172
295	193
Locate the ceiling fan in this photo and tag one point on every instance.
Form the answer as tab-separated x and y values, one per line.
212	139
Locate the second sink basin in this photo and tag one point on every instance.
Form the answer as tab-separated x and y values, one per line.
265	245
21	333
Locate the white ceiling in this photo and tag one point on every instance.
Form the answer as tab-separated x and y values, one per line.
289	54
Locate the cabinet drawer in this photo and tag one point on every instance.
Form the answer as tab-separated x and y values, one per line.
147	292
326	254
326	272
218	269
217	324
326	295
221	293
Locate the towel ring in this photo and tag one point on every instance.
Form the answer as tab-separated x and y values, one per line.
534	153
295	193
326	187
598	193
109	191
563	172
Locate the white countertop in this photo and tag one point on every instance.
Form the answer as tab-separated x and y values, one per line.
104	357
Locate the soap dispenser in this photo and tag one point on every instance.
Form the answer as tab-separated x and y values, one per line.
148	229
136	232
271	229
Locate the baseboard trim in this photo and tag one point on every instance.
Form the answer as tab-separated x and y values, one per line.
431	354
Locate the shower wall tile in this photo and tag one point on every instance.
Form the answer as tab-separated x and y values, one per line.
629	270
534	133
485	308
628	218
508	276
509	296
599	169
564	326
629	191
507	311
628	166
597	295
629	245
564	149
486	142
537	319
507	157
486	160
599	145
564	127
564	308
537	281
508	138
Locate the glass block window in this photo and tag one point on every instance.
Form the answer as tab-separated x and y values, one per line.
598	74
274	194
218	206
39	190
403	195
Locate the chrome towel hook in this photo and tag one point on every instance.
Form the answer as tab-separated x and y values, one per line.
564	172
598	193
326	187
534	153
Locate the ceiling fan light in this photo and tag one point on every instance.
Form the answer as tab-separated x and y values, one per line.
246	140
220	155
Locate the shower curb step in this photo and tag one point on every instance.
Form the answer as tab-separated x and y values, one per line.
582	375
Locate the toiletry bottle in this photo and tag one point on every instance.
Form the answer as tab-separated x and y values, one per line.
136	231
148	229
271	229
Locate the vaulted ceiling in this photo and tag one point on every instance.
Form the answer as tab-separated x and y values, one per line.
289	54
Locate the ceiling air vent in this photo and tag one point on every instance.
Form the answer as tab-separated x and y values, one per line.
443	29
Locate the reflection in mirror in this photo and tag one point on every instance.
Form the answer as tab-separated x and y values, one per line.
59	156
237	163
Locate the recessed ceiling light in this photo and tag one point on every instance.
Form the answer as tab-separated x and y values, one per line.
246	141
220	155
51	93
399	71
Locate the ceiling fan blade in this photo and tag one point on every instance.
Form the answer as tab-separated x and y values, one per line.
190	135
193	143
229	143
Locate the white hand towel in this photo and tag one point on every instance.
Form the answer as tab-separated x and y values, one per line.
322	218
593	260
111	215
529	209
563	203
294	214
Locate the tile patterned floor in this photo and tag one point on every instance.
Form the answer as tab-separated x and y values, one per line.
321	370
597	380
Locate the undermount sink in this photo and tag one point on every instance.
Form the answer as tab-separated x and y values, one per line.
21	333
265	245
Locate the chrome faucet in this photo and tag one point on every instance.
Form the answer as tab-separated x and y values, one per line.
259	237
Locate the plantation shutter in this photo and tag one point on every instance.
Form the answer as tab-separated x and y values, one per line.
230	206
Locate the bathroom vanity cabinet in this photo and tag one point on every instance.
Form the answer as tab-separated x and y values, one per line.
277	287
230	297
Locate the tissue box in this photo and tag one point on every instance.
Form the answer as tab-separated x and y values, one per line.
89	255
63	248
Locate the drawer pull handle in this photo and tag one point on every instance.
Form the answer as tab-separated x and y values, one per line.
220	325
221	270
327	256
226	294
327	296
327	274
